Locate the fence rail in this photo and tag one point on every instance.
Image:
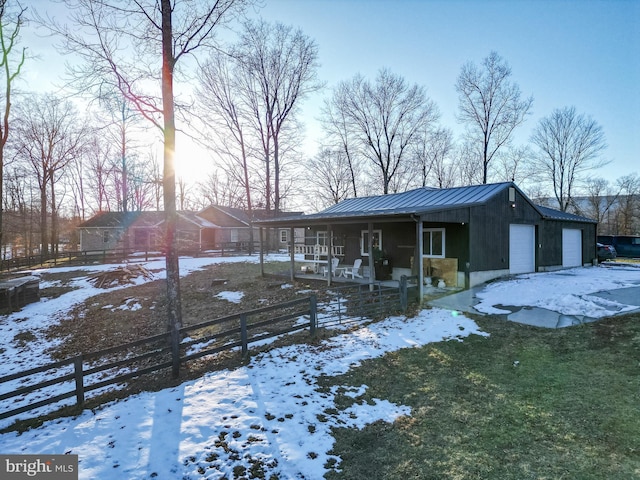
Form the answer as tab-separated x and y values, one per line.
119	255
98	370
93	372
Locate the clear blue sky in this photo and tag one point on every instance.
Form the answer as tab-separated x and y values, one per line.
565	53
580	53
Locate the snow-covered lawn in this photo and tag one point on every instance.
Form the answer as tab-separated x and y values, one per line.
270	412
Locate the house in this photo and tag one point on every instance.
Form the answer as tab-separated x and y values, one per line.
464	236
143	231
214	227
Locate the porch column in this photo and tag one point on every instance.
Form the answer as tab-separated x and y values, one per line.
292	247
261	251
372	268
418	259
329	255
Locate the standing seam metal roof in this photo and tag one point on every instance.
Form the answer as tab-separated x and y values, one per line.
419	199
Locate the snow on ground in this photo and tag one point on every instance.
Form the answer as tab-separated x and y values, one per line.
233	297
569	292
270	411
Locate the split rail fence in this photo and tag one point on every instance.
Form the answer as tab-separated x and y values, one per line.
89	375
94	372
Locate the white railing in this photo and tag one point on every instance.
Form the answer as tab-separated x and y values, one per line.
319	251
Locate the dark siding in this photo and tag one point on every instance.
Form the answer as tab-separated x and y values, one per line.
550	245
490	230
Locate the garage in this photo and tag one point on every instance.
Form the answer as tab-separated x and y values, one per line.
522	242
571	247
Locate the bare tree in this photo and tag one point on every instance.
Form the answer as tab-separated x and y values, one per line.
278	68
387	119
569	145
599	201
218	189
49	136
431	154
339	133
10	25
330	176
513	165
490	105
221	104
627	215
122	44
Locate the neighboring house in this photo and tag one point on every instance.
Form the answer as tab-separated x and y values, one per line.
212	228
465	235
143	231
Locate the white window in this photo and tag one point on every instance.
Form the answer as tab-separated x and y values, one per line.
364	241
106	236
433	242
284	236
322	238
233	235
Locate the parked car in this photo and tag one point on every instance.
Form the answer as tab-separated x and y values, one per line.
606	252
625	245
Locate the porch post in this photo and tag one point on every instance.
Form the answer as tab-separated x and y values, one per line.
261	251
293	254
372	268
418	259
329	255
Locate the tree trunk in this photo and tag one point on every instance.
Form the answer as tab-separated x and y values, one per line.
174	306
44	246
54	220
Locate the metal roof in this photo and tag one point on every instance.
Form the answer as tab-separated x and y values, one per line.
560	215
414	202
417	201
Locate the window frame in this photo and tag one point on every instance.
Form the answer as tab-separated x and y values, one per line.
284	235
430	230
364	241
324	236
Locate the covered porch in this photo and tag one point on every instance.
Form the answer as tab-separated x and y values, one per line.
383	246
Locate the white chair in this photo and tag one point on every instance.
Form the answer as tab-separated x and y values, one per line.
334	267
355	270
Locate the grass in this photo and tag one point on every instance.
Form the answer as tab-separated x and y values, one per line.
524	403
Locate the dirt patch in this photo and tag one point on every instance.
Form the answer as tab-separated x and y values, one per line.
120	316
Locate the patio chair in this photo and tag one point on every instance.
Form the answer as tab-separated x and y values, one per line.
353	271
334	267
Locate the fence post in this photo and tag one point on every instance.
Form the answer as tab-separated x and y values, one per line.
244	336
79	374
313	315
404	301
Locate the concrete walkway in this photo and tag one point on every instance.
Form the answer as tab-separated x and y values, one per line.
538	317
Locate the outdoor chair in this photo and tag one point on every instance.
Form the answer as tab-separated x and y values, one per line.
353	271
334	267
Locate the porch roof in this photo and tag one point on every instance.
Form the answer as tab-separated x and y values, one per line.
396	206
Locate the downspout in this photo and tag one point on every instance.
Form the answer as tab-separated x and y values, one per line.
418	257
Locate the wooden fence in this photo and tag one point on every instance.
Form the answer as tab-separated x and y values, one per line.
85	257
96	371
353	302
92	373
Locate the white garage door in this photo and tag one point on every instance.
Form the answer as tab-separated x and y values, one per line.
571	247
522	248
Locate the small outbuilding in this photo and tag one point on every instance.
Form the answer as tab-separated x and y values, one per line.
463	236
